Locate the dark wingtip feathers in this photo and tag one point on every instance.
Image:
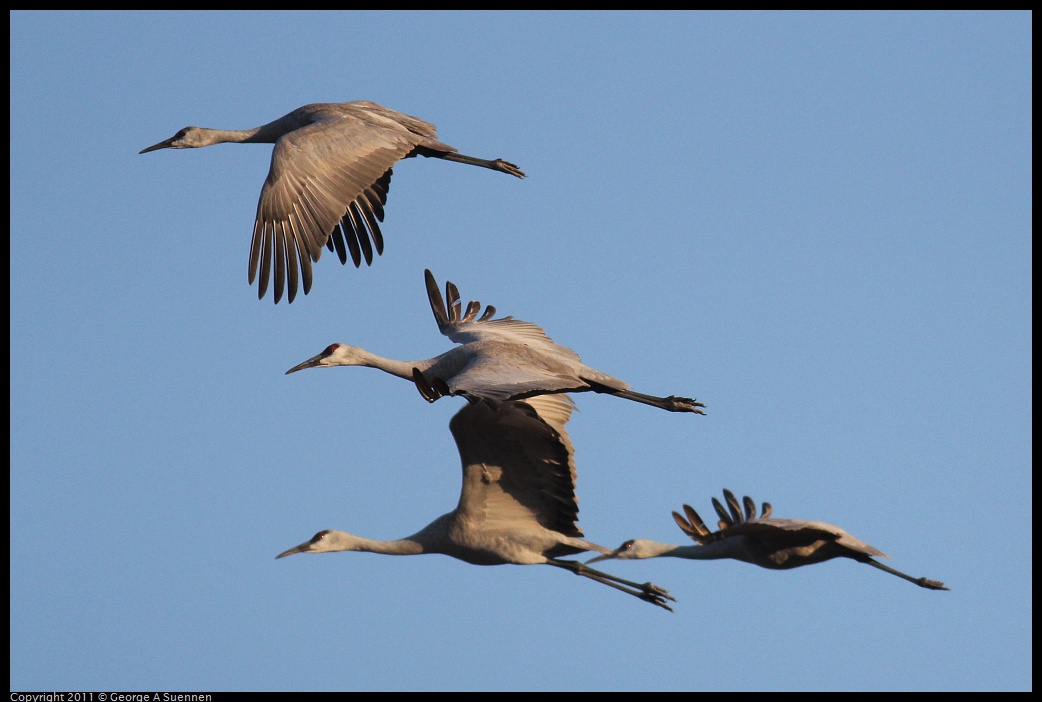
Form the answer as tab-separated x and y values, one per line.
693	525
750	508
725	518
436	300
733	506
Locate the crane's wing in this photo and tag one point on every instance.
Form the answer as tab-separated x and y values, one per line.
779	533
327	186
517	464
465	327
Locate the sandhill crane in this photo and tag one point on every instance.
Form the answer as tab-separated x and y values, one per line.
517	504
497	360
765	541
327	186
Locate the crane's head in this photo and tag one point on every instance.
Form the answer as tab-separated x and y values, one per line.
631	550
187	138
334	355
322	542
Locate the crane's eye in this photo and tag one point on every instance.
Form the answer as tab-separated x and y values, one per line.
319	536
627	546
331	348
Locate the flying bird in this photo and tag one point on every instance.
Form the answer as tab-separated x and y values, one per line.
497	360
778	544
328	181
517	503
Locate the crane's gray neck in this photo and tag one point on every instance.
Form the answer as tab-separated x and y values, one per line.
402	369
398	547
708	552
424	541
257	135
446	365
267	133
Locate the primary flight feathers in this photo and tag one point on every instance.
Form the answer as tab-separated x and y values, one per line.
328	182
496	360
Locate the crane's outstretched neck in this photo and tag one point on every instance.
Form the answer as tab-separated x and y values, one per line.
344	355
196	137
257	135
328	541
635	549
398	547
402	369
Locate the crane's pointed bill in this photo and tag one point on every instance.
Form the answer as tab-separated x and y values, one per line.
302	548
310	363
165	144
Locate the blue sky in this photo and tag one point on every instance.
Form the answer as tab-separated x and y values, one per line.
819	224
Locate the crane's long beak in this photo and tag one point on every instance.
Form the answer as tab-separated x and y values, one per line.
303	548
602	557
165	144
310	363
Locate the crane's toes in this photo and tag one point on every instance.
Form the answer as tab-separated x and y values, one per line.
426	391
931	584
510	168
656	591
684	404
656	600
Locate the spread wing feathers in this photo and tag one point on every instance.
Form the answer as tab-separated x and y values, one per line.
693	525
358	231
777	533
467	327
555	410
332	172
517	465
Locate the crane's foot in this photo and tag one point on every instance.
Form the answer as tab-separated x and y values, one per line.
931	584
656	596
653	589
683	404
430	390
507	167
650	592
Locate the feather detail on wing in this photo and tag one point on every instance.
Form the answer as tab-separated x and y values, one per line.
517	464
329	176
780	533
463	328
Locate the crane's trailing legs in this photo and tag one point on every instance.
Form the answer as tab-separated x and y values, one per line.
649	592
671	403
921	582
496	165
327	185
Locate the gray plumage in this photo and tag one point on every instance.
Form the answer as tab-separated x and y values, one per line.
496	360
766	541
517	503
328	182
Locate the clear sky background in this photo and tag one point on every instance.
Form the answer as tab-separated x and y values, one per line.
819	224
